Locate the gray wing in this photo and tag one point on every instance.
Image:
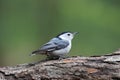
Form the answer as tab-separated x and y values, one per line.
52	45
55	44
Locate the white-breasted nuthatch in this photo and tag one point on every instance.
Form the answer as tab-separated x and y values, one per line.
58	46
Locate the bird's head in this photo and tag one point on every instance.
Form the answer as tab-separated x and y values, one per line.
67	35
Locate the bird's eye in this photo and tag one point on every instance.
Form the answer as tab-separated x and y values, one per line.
68	34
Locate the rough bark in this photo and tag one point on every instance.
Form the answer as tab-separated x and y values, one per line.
106	67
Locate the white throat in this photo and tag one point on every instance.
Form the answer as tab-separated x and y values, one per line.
67	39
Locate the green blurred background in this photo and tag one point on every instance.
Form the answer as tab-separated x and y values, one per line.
27	24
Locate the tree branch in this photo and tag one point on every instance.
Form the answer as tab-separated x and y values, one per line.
106	67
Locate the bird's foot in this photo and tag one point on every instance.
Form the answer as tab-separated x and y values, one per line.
52	58
63	57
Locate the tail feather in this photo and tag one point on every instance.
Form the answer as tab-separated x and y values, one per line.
34	53
37	52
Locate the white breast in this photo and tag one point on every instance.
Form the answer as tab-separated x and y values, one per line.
62	51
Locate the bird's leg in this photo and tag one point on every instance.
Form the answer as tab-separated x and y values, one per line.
48	56
51	57
63	57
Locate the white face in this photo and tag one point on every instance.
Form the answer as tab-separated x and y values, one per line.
67	36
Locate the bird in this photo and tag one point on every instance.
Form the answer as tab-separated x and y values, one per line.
58	46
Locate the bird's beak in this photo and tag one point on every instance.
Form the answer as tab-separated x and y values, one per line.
74	33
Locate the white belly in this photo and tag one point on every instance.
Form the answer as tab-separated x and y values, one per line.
62	51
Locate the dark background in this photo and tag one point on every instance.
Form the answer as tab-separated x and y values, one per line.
25	25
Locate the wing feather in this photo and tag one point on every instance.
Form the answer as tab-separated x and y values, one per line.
52	45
